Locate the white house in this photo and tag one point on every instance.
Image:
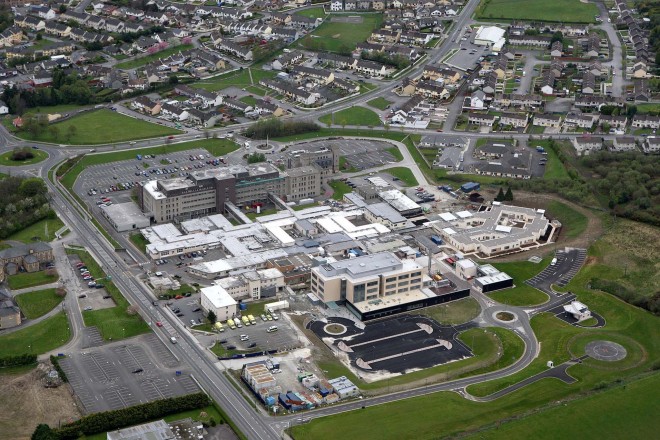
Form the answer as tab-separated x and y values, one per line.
3	108
217	300
578	310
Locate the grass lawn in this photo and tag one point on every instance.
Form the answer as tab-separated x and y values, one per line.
184	288
394	151
253	214
25	279
115	322
333	36
139	241
554	169
648	108
216	147
630	408
43	230
405	175
566	11
455	312
317	12
53	109
38	303
39	155
573	223
352	116
340	188
522	294
379	103
132	64
38	338
101	127
249	100
239	78
345	165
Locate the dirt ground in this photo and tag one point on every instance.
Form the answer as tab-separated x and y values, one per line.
24	403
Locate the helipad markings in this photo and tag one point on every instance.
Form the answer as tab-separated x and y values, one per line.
387	337
440	343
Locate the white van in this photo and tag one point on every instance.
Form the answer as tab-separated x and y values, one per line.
272	328
173	340
244	337
553	262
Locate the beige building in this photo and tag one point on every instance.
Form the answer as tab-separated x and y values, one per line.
217	300
253	284
302	183
366	278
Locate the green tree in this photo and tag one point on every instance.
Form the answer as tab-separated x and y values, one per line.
211	317
174	79
39	36
509	195
54	131
44	432
32	187
500	195
71	131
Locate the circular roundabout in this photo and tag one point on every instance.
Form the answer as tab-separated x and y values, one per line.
335	329
505	316
606	351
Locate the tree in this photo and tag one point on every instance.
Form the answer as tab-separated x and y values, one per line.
500	195
39	36
174	79
211	317
44	432
32	187
509	194
71	131
54	131
557	36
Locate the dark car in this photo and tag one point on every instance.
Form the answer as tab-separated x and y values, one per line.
231	347
254	344
222	341
179	314
196	309
138	370
82	296
107	297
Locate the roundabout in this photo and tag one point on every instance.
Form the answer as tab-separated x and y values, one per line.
505	316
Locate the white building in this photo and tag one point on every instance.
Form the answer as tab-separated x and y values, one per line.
578	310
216	299
253	284
490	36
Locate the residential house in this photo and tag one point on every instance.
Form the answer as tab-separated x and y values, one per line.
529	40
481	119
624	143
28	257
490	84
373	68
444	74
30	22
243	52
477	100
11	36
385	36
264	107
431	89
337	61
548	82
321	76
173	112
619	122
581	120
146	105
57	29
557	49
588	83
586	144
651	145
235	104
513	119
547	120
646	121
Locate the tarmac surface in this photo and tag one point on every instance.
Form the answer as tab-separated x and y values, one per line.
606	351
124	374
399	344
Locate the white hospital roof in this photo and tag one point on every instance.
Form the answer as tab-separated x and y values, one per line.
449	231
218	296
447	216
464	214
500	228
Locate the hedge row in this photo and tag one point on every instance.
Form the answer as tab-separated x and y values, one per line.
15	361
112	420
56	363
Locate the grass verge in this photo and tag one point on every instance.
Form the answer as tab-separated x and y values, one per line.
352	116
573	223
43	230
405	175
38	338
39	155
38	303
24	280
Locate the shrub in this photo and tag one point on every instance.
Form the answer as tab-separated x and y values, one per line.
15	361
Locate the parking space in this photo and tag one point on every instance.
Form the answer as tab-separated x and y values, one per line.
394	345
285	338
125	374
115	180
567	265
187	309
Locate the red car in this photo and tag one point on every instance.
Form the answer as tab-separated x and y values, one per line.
170	137
178	297
159	324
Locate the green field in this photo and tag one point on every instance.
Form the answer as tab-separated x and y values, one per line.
573	222
115	322
38	338
352	116
405	175
554	169
629	408
132	64
139	241
216	147
333	36
455	312
565	11
43	230
101	127
249	100
38	303
24	279
316	12
240	78
522	294
340	188
39	155
379	103
645	108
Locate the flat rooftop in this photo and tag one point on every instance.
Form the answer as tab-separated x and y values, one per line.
393	300
381	263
